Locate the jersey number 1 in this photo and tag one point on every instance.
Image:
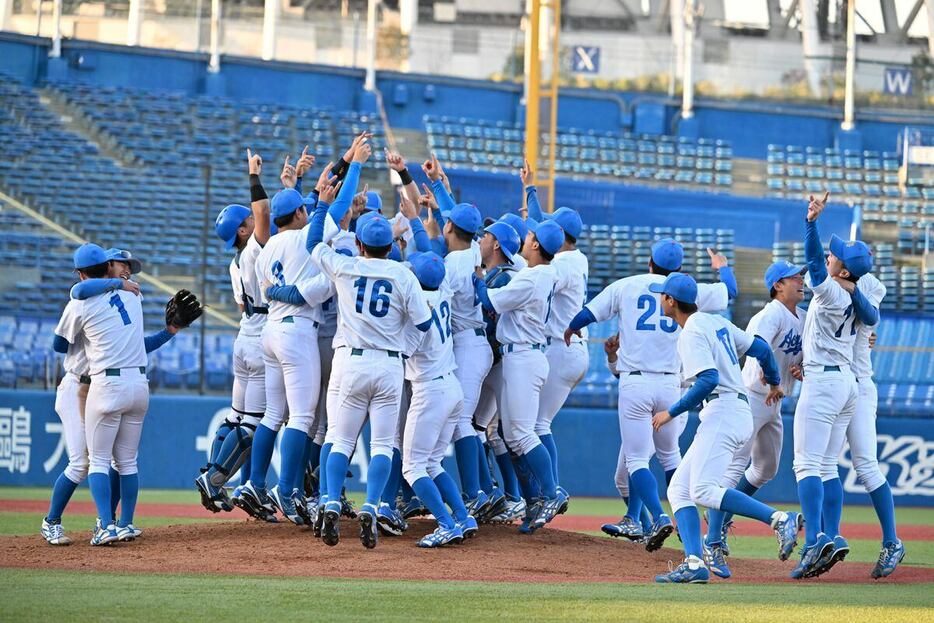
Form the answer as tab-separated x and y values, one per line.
724	336
116	301
379	296
846	316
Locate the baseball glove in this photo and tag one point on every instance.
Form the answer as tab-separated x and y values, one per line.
183	309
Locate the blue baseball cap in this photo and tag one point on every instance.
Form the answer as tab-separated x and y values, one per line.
569	220
679	286
779	270
429	268
506	236
375	232
467	217
119	255
365	218
549	235
517	223
373	201
667	253
855	254
90	254
344	251
228	221
287	201
395	253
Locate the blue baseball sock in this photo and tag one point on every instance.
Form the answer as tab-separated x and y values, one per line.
407	492
715	521
100	490
508	476
314	456
303	466
528	485
885	509
429	495
264	441
646	487
323	472
645	519
451	495
634	503
483	467
539	462
549	442
832	509
742	486
376	476
395	477
129	492
61	493
465	450
114	490
811	496
292	452
669	474
741	504
337	472
247	466
689	528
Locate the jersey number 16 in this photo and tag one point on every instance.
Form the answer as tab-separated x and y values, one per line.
379	296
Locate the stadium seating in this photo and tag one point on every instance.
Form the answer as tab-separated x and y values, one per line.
668	160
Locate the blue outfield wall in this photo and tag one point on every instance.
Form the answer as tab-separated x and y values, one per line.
177	435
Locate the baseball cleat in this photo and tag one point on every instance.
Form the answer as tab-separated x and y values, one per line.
840	549
347	509
498	502
319	518
724	533
126	534
691	571
102	535
534	517
626	527
889	557
286	505
713	558
513	510
661	530
478	505
786	527
468	527
389	520
550	508
413	508
442	536
565	500
330	525
134	530
214	499
810	555
54	534
301	506
369	535
255	501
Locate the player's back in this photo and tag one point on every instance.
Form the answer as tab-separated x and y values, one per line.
243	280
112	324
466	310
433	352
711	341
572	269
782	330
874	291
524	305
647	339
285	261
830	326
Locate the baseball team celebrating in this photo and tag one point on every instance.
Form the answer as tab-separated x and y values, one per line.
470	331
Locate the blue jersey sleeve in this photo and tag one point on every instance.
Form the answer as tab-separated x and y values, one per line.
156	340
480	288
419	235
583	318
814	254
531	201
285	294
728	279
865	312
92	287
345	196
763	354
705	383
59	344
444	198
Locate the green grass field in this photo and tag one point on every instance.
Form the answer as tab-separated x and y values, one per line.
28	595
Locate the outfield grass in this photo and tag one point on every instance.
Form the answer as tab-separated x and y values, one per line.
185	598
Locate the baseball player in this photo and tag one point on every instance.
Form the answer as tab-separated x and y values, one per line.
376	298
247	230
710	347
649	382
780	323
861	434
471	350
829	392
434	409
524	307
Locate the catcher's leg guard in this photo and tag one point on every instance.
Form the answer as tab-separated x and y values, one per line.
232	454
219	436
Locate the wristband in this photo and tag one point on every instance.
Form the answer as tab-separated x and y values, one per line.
257	192
405	176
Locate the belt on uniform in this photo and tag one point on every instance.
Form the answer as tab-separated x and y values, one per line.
831	368
84	379
359	352
257	310
508	348
556	340
479	332
116	371
715	396
291	320
639	373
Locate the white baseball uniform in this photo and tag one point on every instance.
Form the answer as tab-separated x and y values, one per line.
861	433
709	342
523	306
326	333
436	393
828	394
471	349
248	399
376	298
648	365
70	400
567	365
112	326
782	330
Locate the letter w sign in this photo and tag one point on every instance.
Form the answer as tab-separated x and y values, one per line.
897	81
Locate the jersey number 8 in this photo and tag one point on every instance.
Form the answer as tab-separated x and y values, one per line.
379	296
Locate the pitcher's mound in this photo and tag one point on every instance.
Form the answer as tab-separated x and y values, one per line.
497	553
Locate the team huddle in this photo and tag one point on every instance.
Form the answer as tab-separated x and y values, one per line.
473	332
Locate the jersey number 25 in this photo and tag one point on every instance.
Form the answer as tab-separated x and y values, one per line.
649	303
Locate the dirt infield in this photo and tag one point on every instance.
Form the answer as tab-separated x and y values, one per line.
498	553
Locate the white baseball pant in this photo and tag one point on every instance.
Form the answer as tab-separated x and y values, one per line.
825	408
473	357
372	383
70	399
725	425
293	373
764	446
249	384
640	397
861	435
326	353
429	426
488	404
524	375
567	365
338	365
114	414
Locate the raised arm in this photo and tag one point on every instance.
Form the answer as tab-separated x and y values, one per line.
259	201
410	212
305	162
444	199
345	197
316	226
532	209
813	249
719	263
397	163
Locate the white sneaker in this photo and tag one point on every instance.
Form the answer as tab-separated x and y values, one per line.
53	533
126	533
104	535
